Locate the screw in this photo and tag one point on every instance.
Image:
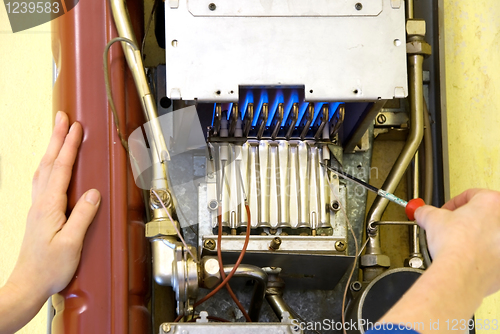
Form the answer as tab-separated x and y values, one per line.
209	244
340	246
335	205
358	6
165	328
212	6
275	244
381	119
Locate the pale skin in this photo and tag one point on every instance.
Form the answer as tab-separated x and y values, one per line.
464	241
52	243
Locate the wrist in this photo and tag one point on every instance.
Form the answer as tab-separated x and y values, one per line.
25	288
461	268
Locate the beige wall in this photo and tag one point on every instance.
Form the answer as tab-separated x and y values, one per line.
472	33
25	127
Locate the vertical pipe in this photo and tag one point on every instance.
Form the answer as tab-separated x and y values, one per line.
407	154
409	9
415	230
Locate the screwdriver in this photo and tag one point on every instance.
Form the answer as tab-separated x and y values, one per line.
410	207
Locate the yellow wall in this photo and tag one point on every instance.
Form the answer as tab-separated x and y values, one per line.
472	35
25	127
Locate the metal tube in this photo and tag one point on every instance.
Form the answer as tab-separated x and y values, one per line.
429	181
413	142
394	223
134	61
428	150
279	306
259	291
415	230
409	9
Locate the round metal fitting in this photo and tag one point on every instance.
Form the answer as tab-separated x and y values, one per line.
275	243
209	244
358	6
340	246
212	6
381	119
213	205
165	197
356	286
165	328
335	206
416	262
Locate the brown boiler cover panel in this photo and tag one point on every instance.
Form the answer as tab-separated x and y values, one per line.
109	292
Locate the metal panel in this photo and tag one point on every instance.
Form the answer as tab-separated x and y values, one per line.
109	291
348	58
284	183
285	8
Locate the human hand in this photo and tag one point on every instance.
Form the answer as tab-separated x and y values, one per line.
52	244
467	230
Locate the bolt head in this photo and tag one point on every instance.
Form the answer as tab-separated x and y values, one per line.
212	6
165	328
358	6
375	260
415	27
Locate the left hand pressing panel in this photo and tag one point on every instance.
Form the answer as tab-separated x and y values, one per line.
52	243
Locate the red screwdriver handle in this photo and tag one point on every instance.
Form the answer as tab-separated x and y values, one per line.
412	206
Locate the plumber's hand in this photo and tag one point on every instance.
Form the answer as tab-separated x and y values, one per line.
467	231
52	244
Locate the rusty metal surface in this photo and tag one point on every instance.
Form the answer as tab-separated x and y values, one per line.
110	289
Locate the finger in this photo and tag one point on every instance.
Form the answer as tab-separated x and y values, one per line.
63	165
42	173
82	215
461	199
428	213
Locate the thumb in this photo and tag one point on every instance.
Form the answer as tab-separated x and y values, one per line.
82	215
426	214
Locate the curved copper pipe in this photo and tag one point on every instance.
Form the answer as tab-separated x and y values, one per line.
412	144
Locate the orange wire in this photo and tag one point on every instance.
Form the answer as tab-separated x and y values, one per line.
221	266
238	262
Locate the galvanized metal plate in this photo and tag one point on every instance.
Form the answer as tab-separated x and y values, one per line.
290	244
346	58
228	328
300	271
284	8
